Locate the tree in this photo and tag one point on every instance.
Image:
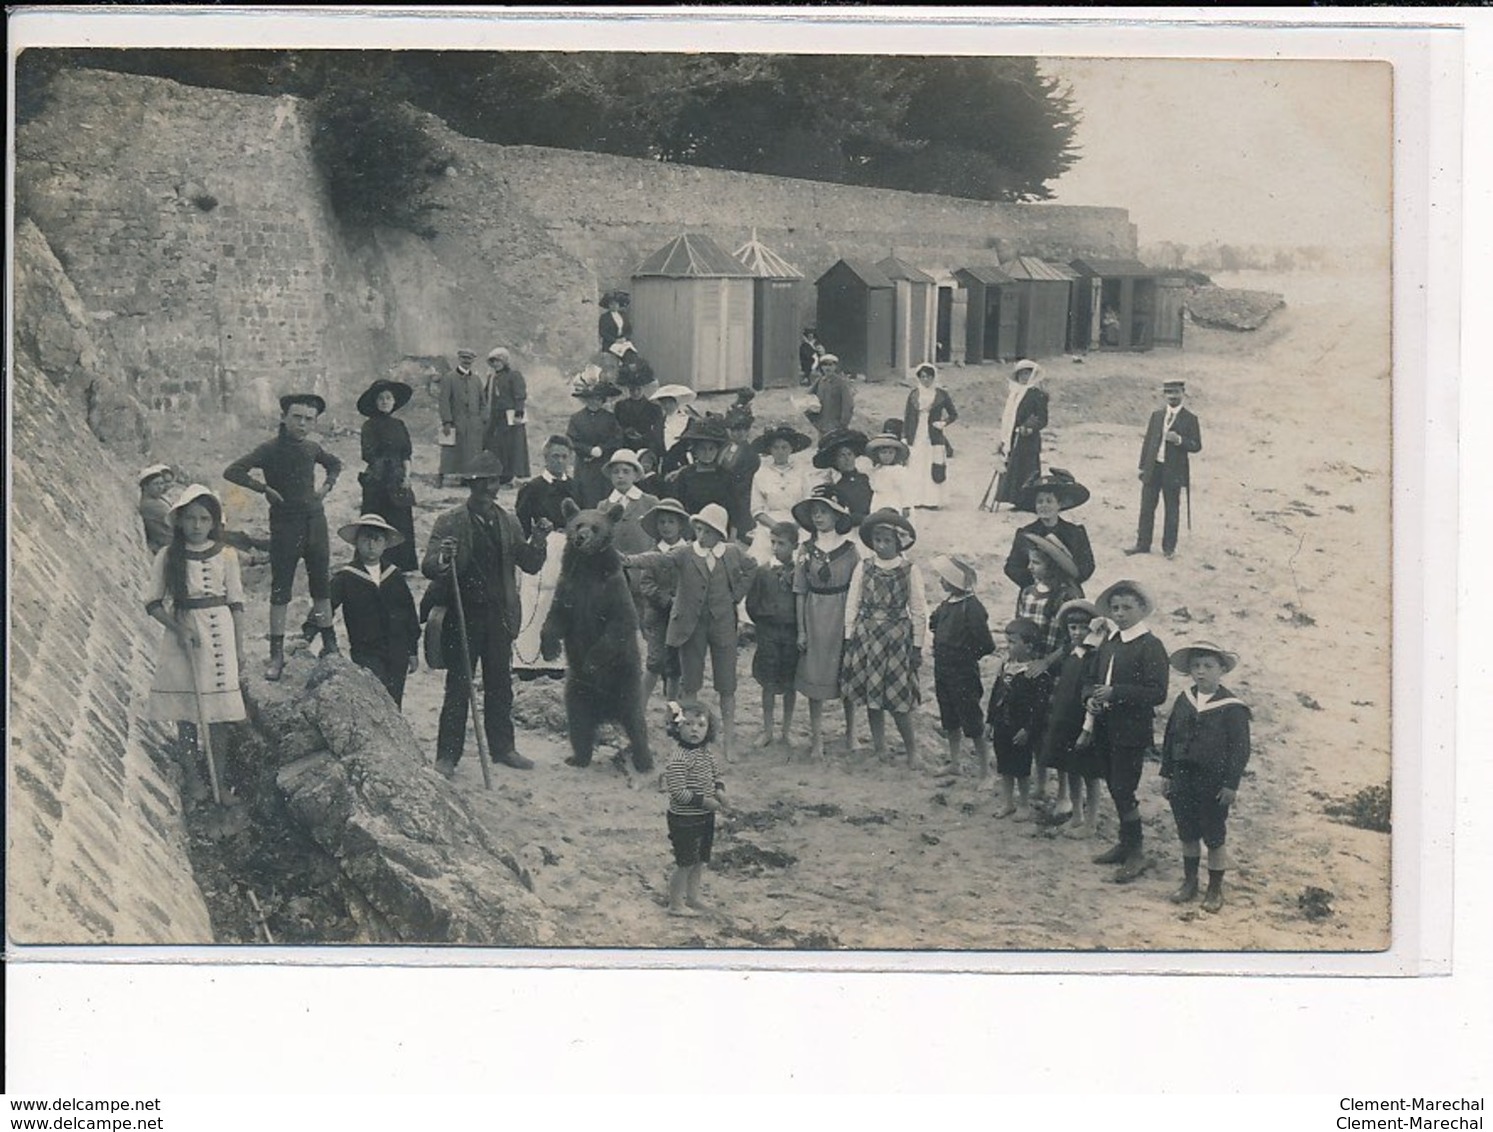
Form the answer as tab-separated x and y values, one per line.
989	128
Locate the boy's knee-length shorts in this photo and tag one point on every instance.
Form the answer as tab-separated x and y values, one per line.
958	690
692	835
1200	816
292	538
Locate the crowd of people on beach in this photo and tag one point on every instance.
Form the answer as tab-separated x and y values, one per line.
726	537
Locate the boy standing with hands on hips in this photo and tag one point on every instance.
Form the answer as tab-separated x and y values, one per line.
298	525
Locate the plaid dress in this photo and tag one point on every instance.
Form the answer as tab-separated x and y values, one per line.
1042	607
877	669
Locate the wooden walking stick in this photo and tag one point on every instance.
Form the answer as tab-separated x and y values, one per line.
203	727
986	502
466	668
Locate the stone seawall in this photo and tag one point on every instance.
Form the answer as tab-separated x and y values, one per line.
97	845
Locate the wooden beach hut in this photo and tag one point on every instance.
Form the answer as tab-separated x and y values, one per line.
855	315
692	304
777	315
1121	304
993	314
1044	297
914	314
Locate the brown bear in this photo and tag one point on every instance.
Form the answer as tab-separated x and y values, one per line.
593	616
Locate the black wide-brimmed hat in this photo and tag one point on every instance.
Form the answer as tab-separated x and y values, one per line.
838	438
402	394
711	429
1069	491
798	441
303	399
485	466
907	534
823	493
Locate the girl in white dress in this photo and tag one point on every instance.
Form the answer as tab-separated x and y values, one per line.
777	486
197	593
888	474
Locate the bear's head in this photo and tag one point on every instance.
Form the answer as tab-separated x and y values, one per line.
590	531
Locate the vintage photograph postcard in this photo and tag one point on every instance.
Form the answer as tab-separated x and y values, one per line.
536	499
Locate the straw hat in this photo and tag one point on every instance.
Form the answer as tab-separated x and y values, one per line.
402	394
193	493
486	466
682	394
714	516
1061	483
303	399
499	354
649	522
625	456
1023	366
918	370
829	358
1077	605
1182	658
835	439
956	571
824	494
1174	383
889	437
907	535
348	532
466	352
1056	552
151	472
1127	585
798	441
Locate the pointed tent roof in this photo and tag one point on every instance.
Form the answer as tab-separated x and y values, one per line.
894	268
1030	267
692	256
987	273
762	261
870	276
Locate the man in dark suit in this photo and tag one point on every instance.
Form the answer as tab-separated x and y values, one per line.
488	547
1171	436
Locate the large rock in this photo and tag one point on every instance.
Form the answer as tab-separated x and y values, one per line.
1229	308
413	856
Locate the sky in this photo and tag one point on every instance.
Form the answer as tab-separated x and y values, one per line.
1254	152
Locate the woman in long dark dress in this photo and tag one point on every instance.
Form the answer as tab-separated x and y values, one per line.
387	451
1020	437
1047	496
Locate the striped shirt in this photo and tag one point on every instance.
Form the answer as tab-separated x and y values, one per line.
689	776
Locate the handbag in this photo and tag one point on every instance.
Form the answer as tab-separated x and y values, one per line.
446	437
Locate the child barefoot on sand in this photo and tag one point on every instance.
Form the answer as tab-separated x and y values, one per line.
1018	709
886	617
821	581
771	606
961	636
696	795
1203	757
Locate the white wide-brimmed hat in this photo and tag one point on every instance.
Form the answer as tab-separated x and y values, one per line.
682	394
348	532
151	472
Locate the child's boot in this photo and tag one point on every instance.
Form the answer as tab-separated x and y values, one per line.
1116	852
329	641
309	628
277	659
1213	898
1189	888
